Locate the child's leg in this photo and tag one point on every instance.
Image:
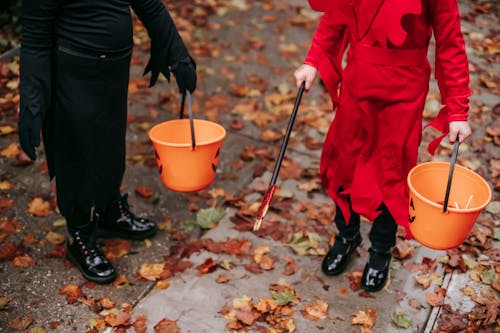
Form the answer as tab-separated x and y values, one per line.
383	238
383	232
347	240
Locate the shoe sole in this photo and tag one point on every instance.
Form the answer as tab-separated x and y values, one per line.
98	280
105	233
342	268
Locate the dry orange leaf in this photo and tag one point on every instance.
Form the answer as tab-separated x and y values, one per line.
5	185
144	192
55	238
39	207
107	303
23	262
366	318
270	136
167	326
140	324
318	311
222	279
151	272
118	318
21	323
437	297
116	248
291	266
11	151
162	285
72	292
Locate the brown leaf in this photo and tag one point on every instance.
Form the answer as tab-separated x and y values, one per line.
144	192
166	326
208	266
21	323
403	249
23	262
118	318
55	238
39	207
140	324
151	272
437	297
366	318
115	248
270	136
291	266
72	292
11	151
317	311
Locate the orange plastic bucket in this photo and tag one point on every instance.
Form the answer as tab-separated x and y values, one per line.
182	167
428	223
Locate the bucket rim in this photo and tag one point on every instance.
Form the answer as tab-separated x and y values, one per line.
450	208
187	144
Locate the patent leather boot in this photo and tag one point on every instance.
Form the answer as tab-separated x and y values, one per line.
83	252
376	271
120	222
337	258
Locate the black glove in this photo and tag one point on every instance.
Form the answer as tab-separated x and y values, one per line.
185	75
29	127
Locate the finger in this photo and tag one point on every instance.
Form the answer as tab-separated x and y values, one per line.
452	136
27	147
308	84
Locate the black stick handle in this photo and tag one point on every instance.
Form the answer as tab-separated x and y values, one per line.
277	167
191	122
454	155
183	101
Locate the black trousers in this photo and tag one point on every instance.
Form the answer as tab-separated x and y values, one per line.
382	233
88	124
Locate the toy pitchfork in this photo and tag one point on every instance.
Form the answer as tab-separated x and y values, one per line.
264	206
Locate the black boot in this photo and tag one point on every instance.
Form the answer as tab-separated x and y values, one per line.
376	271
335	261
87	257
120	222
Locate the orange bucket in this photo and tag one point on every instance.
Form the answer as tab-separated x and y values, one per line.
187	152
430	223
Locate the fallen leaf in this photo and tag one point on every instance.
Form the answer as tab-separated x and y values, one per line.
140	324
21	323
366	318
72	292
55	238
23	262
39	207
401	320
206	218
144	192
166	326
11	150
118	318
151	272
317	311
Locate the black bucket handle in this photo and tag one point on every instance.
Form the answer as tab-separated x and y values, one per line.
190	112
454	155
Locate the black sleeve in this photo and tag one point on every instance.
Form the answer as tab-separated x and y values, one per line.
37	17
167	47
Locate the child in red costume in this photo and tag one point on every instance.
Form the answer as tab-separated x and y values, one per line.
373	140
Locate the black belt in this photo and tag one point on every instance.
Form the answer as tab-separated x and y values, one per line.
90	53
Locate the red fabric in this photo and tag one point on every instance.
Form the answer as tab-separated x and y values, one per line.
373	140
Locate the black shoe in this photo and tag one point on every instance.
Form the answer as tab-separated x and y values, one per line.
88	258
120	222
376	271
335	261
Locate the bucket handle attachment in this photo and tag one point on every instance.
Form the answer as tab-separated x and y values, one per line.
454	155
190	112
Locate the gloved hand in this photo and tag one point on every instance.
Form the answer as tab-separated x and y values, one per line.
29	127
185	75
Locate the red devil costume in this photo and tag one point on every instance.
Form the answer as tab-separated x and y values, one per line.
75	60
379	96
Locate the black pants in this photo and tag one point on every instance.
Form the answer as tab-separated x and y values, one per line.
382	233
88	129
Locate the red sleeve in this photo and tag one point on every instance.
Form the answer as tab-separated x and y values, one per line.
327	48
451	67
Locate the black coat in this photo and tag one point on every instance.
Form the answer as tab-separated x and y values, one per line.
75	59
